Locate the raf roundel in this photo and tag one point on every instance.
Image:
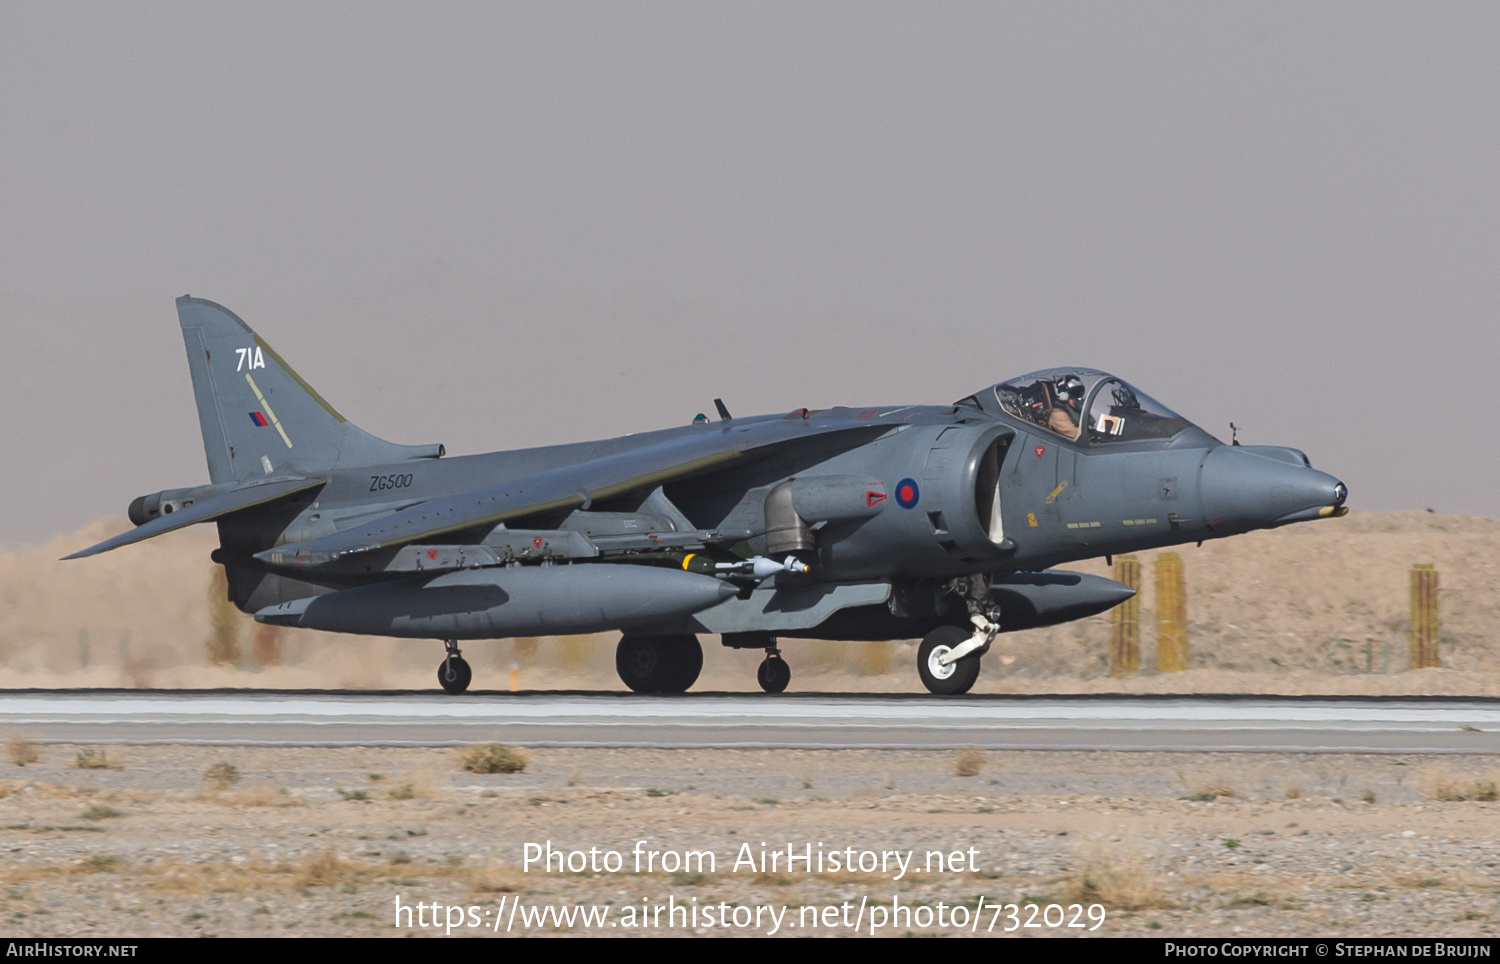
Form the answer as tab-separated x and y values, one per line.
907	493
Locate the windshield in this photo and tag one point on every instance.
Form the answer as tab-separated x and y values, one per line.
1081	404
1119	413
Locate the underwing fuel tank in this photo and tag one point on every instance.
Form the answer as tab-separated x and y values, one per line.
502	602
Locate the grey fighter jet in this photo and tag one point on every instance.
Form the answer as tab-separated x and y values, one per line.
942	522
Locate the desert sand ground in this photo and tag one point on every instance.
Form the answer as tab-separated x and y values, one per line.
326	841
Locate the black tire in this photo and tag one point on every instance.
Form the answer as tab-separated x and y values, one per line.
454	675
659	664
641	662
773	675
684	663
961	675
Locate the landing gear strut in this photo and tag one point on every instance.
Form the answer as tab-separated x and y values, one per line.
948	659
659	664
454	673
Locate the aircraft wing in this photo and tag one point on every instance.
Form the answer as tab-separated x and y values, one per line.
569	487
244	496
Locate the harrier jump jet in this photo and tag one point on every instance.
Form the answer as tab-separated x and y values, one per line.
875	522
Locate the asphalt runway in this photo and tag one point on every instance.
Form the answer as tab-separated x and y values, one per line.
804	721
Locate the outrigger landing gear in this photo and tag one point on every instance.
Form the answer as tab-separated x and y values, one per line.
454	673
774	674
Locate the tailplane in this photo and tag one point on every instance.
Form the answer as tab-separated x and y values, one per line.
257	414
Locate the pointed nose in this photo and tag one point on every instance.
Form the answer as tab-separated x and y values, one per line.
1243	491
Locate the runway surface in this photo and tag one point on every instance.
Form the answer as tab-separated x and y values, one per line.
807	721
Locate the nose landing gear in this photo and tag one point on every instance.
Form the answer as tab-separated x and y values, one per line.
940	674
948	659
454	673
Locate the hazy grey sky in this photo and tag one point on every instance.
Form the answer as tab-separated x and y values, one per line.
497	225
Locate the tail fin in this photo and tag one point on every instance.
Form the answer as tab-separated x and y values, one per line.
257	415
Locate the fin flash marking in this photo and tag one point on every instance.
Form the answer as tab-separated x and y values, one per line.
267	407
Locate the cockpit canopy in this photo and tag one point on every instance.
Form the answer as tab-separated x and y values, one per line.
1082	404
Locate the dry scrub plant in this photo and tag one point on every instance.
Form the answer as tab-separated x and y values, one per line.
90	758
418	784
969	762
493	758
21	750
1118	880
1438	785
261	795
321	870
221	776
1211	791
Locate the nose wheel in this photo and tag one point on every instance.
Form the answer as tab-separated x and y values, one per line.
454	673
941	677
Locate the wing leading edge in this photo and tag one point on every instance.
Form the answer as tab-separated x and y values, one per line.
569	487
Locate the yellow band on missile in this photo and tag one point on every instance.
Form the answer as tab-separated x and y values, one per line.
688	559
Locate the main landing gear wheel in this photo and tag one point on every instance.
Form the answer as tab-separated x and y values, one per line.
955	678
659	664
454	673
774	674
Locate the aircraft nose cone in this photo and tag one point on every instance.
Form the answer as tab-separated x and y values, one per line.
1243	490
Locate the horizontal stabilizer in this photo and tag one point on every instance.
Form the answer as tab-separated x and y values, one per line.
213	506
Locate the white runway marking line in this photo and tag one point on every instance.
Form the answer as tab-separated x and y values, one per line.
1456	725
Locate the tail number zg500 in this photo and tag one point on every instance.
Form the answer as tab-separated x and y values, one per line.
379	483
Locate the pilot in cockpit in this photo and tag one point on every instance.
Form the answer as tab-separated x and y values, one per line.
1066	398
1060	420
1054	400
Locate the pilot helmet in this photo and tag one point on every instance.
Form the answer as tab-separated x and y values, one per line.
1070	389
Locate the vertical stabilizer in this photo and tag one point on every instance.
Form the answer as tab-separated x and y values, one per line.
257	414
